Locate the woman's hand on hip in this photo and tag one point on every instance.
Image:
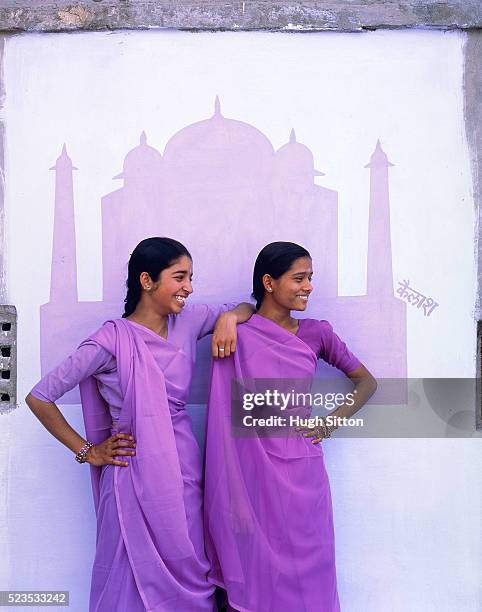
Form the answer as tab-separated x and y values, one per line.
106	452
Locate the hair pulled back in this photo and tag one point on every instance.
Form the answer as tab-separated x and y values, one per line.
274	259
151	255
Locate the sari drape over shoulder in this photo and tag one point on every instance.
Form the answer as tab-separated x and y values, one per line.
267	504
167	562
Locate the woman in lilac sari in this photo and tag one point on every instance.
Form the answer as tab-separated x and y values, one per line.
267	505
134	375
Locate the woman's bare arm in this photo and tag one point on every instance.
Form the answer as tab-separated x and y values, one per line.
365	387
54	421
224	335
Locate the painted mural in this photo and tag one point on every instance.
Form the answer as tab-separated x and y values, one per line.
222	189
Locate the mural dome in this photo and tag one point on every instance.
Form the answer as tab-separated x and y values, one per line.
295	159
141	162
218	143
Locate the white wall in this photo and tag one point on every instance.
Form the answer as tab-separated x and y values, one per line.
407	512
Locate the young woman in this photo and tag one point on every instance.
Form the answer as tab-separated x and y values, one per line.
267	504
134	376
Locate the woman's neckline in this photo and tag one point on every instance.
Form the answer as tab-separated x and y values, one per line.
280	326
151	331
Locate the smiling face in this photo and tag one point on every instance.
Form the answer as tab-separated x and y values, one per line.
169	293
292	289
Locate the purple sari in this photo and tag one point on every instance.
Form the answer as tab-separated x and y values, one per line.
267	504
149	507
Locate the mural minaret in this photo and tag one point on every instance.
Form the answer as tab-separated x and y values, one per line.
379	265
63	279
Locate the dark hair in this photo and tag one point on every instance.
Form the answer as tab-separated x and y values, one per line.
274	259
151	255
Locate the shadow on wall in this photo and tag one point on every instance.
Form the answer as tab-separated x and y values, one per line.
220	186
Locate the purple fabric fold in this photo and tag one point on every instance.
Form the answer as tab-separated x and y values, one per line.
268	511
169	570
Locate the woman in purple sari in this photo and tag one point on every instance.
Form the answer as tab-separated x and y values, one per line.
134	375
267	505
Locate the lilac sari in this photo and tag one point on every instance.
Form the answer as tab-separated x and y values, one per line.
268	512
149	512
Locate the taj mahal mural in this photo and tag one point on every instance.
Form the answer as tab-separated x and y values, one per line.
222	189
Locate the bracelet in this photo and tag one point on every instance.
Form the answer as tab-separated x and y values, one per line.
326	429
323	424
321	434
81	456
